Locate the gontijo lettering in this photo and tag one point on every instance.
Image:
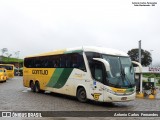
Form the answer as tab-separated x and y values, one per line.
42	72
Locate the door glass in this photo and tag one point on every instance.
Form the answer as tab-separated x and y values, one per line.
98	73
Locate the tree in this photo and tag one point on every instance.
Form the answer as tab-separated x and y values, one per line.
4	50
146	58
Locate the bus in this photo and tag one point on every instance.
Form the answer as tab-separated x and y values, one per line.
3	75
88	73
9	68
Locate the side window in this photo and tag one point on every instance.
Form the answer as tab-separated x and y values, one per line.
74	61
68	61
97	70
45	62
28	62
63	61
31	63
57	61
95	66
53	61
37	63
10	68
90	56
50	61
80	62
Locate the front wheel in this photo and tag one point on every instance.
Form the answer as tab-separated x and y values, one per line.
81	95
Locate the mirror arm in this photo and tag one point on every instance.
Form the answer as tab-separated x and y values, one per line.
106	64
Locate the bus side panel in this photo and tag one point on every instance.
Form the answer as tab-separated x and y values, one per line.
76	78
42	75
66	81
58	80
10	73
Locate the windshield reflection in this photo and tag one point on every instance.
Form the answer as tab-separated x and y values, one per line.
121	72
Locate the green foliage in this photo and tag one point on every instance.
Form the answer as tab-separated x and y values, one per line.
9	60
146	74
158	80
149	75
152	75
145	56
157	75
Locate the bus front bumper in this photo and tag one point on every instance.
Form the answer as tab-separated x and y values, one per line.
109	97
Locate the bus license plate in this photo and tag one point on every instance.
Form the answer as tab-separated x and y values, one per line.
124	98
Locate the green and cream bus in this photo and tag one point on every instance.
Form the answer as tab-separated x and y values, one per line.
89	72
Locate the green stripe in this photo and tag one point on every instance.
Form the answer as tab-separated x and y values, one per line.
55	77
130	90
60	77
63	78
73	51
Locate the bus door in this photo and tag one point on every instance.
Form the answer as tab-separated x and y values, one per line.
97	87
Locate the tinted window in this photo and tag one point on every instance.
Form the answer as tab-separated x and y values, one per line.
7	67
72	60
95	66
98	72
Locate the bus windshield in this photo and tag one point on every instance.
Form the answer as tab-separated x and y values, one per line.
121	74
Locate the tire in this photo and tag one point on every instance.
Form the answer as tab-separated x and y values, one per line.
81	95
37	87
32	86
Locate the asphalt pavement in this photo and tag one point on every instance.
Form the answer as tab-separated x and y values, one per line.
15	97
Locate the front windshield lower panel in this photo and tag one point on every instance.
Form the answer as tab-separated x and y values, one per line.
121	74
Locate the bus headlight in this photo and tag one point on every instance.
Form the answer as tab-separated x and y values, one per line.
110	91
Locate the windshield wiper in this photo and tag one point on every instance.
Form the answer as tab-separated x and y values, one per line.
124	77
123	73
129	81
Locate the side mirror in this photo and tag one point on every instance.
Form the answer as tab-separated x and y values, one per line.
106	63
139	68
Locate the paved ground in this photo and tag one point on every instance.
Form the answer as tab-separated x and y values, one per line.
15	97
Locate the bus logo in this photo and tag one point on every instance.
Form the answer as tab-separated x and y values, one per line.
42	72
96	96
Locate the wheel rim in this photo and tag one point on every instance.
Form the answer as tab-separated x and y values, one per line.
37	89
83	95
32	86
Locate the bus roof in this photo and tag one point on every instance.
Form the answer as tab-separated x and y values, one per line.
102	50
2	69
7	64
